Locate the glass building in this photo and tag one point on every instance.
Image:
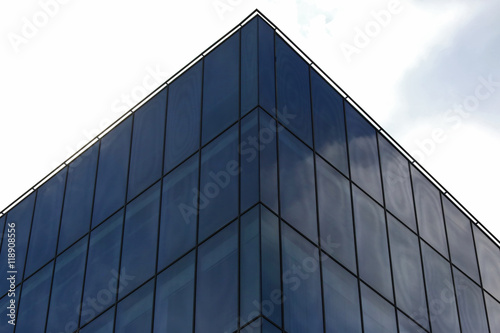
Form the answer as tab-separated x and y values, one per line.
247	194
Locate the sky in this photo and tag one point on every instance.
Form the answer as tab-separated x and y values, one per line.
426	71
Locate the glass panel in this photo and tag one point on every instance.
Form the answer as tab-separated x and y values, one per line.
440	290
267	88
249	150
329	123
2	228
408	326
371	236
175	297
378	315
407	270
178	212
341	297
78	198
139	239
219	183
112	172
363	153
489	262
67	289
249	68
301	284
268	161
493	308
146	156
297	189
429	212
46	219
101	278
103	324
135	313
7	324
183	117
397	183
294	99
217	283
267	327
221	87
253	327
250	266
335	214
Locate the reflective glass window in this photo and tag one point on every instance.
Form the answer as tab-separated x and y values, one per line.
489	262
249	68
102	324
183	117
2	227
249	151
250	266
135	312
221	87
146	156
493	308
268	161
371	237
112	171
406	325
297	189
267	88
378	315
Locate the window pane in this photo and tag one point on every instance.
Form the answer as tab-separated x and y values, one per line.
363	153
112	172
103	324
298	204
134	313
249	150
217	283
329	124
378	314
268	161
221	87
250	266
335	214
146	157
178	212
493	313
46	218
470	304
301	284
489	262
267	88
183	117
249	68
292	82
78	198
408	326
175	297
371	236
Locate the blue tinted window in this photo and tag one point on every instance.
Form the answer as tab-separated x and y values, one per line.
301	284
219	182
493	308
363	153
329	124
112	171
406	325
489	262
146	156
103	324
46	218
378	315
268	161
371	236
78	198
294	100
175	297
267	88
335	214
178	212
183	117
397	183
298	204
250	266
221	87
342	312
135	313
249	68
249	150
139	239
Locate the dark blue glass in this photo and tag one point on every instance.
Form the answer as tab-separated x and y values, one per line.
221	87
250	266
294	99
2	228
78	198
32	311
183	117
397	183
371	237
102	324
249	67
489	262
440	293
46	220
112	172
135	312
268	161
341	297
470	304
146	156
175	297
8	313
139	239
493	308
301	284
335	214
297	189
219	183
379	316
217	283
407	270
363	153
253	327
101	278
67	288
406	325
267	86
329	123
178	212
429	212
249	150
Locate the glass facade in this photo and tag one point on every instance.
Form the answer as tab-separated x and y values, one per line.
248	195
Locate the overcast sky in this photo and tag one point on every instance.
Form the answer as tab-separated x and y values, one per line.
426	71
